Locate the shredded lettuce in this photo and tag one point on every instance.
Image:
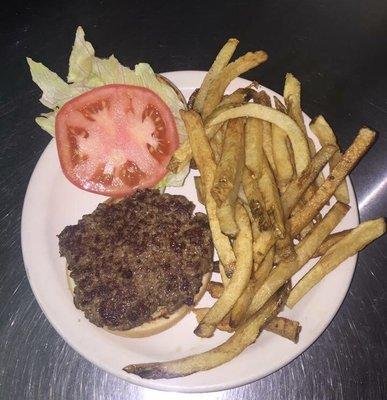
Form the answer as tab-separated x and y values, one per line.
86	71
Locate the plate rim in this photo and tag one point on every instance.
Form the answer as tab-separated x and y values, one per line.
185	75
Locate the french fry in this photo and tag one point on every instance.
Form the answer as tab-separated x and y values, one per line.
292	96
304	250
279	105
226	217
228	74
284	327
192	99
227	171
255	200
254	146
350	158
320	177
296	136
331	240
215	289
203	158
199	190
280	326
220	62
263	98
238	312
239	280
268	188
298	186
352	243
216	143
282	158
263	241
243	337
239	96
325	135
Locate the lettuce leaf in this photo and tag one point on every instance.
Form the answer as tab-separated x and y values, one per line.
86	71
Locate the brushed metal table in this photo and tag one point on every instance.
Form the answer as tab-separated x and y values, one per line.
338	49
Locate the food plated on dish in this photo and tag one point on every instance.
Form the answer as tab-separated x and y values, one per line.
262	182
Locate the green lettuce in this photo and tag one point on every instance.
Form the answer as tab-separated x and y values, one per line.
86	71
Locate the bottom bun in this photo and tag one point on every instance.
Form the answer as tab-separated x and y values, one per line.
158	324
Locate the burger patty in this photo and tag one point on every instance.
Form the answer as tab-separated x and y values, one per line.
137	259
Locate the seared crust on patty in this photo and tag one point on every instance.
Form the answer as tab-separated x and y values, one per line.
138	259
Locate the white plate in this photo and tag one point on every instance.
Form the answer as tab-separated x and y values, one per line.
52	202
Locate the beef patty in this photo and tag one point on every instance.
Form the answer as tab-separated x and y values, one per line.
137	259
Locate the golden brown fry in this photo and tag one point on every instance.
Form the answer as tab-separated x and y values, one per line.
220	62
227	171
284	327
239	96
351	157
203	158
215	289
279	105
199	190
216	143
240	308
282	158
292	96
192	99
255	201
304	250
325	135
298	186
320	177
254	146
330	241
228	74
273	205
243	337
223	325
296	136
280	326
352	243
263	241
239	280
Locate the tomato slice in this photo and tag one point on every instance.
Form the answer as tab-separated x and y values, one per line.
115	139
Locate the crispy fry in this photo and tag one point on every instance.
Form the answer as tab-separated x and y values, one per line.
284	327
263	241
227	173
216	143
296	136
292	96
271	198
239	96
254	146
325	135
279	105
243	337
304	250
361	144
238	312
220	62
320	177
203	158
255	201
192	99
282	158
199	190
215	289
228	74
330	241
239	280
280	326
352	243
298	186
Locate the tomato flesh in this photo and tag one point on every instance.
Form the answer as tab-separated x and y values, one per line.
115	139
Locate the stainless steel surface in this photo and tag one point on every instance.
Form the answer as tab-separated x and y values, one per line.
337	49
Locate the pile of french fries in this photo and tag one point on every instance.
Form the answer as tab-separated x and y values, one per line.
262	184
